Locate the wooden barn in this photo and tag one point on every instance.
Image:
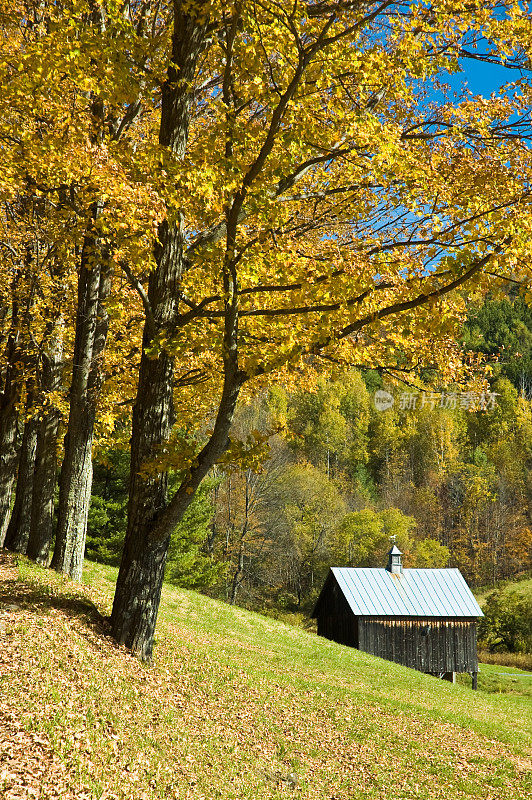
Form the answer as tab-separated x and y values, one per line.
421	618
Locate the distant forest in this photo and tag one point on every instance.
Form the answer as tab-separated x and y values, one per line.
319	476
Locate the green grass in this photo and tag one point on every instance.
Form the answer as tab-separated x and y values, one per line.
238	705
522	586
498	679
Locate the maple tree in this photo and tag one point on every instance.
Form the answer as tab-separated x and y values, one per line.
282	188
319	206
60	118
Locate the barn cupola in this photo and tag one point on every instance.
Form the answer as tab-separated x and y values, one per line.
394	564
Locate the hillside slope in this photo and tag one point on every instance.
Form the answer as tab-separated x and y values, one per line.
522	586
235	706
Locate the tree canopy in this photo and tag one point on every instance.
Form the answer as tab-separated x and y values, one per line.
265	191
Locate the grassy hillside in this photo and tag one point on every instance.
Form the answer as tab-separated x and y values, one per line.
236	706
522	586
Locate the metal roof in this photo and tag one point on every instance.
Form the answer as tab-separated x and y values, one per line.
413	593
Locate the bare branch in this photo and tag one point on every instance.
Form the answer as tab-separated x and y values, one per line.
139	288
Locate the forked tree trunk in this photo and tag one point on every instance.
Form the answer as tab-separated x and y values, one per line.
18	532
87	374
45	475
140	578
150	522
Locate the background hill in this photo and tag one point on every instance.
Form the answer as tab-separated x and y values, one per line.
522	587
236	706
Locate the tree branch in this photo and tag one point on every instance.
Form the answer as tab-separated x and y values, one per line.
139	288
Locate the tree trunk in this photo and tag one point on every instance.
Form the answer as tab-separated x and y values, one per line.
213	532
139	584
92	325
238	576
9	398
45	476
150	523
8	465
18	531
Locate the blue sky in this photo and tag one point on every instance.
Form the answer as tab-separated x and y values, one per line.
483	78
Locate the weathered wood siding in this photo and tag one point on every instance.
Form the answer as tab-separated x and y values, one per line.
429	645
335	619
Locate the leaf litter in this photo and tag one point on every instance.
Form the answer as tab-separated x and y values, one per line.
81	718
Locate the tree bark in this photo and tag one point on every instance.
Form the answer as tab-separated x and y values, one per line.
150	522
18	532
238	575
92	325
143	560
9	398
45	475
8	465
140	577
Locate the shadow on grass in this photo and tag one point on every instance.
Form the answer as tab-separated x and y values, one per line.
33	595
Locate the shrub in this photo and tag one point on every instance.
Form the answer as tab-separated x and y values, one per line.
507	622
